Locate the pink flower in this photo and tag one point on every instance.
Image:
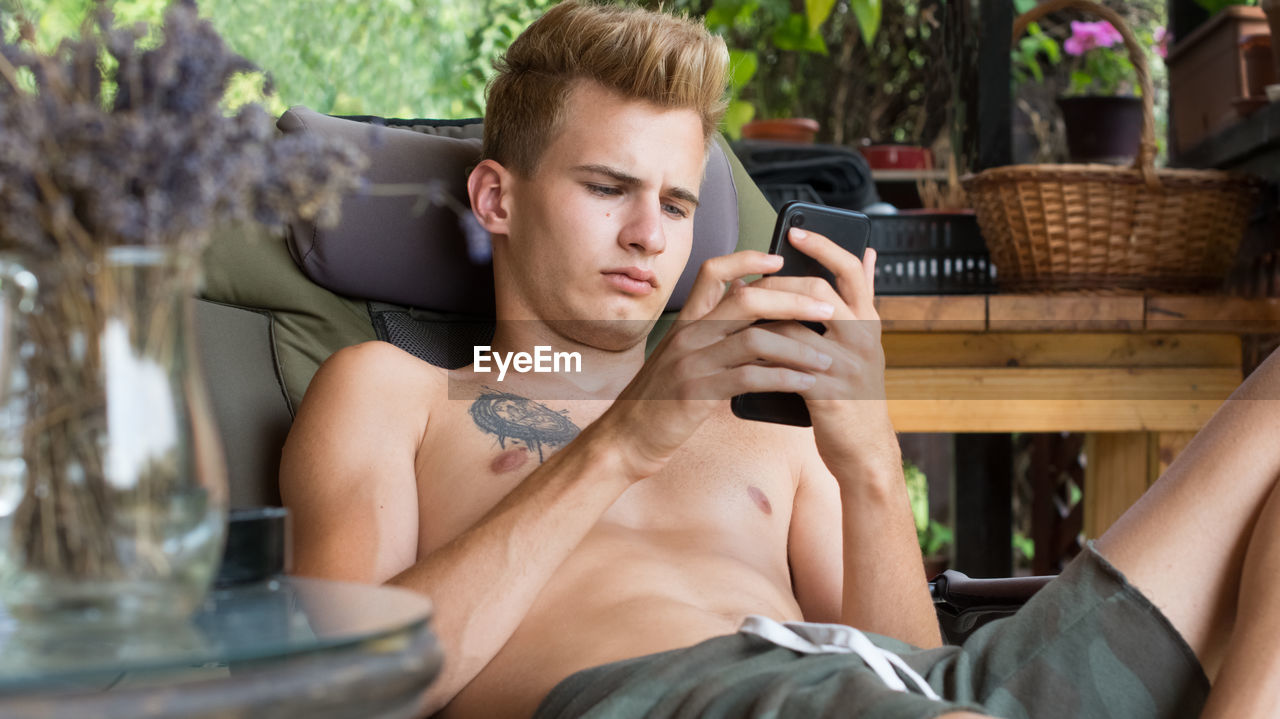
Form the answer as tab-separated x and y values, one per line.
1085	36
1162	42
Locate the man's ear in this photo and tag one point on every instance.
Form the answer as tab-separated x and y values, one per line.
489	187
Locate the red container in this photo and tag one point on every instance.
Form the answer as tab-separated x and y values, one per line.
898	157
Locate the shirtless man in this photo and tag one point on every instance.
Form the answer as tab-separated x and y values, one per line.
666	521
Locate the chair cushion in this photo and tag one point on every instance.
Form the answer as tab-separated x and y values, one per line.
397	249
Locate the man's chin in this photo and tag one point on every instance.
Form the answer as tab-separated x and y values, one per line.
612	335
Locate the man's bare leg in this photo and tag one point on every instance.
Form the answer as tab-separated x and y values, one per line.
1249	683
1184	543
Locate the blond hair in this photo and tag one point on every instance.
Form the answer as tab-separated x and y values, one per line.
667	61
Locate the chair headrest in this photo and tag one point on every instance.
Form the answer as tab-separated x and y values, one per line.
386	249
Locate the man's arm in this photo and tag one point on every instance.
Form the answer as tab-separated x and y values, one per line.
814	543
884	587
348	478
884	575
347	469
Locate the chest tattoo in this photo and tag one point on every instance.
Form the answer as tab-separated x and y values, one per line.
523	421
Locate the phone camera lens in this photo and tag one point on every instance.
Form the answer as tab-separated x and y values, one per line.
797	221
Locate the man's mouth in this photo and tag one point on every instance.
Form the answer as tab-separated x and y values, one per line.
631	280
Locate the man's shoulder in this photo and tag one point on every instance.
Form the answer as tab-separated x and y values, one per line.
380	371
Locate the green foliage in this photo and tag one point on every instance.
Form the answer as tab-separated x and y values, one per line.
408	58
1034	45
506	20
868	13
760	33
1024	545
934	537
1214	6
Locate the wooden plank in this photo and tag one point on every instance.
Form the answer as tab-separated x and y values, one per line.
1114	478
1163	448
1053	383
1213	314
956	313
1044	349
955	415
1063	313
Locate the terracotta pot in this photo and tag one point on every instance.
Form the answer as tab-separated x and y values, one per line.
1102	129
1272	9
789	129
1259	65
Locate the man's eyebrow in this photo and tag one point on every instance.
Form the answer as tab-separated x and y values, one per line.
679	193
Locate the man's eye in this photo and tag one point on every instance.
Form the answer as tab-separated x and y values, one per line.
603	190
675	211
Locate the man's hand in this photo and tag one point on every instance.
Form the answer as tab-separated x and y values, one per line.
853	437
711	354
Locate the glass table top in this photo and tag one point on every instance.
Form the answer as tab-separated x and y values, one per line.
282	618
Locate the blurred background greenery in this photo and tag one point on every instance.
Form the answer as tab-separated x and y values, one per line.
876	69
402	58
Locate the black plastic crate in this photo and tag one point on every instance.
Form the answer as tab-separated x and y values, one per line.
931	254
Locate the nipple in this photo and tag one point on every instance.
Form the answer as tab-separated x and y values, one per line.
760	499
509	460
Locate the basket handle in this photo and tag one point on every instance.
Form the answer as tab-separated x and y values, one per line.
1146	159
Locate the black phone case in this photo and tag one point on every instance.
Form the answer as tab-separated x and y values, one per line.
851	231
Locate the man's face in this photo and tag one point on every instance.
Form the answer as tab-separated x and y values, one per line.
601	232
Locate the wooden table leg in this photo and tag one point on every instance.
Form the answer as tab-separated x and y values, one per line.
984	505
1164	448
1115	477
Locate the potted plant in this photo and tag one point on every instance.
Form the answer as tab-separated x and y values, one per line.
1100	109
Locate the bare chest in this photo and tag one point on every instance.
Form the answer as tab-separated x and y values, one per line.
728	478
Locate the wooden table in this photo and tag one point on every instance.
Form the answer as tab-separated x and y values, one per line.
1140	374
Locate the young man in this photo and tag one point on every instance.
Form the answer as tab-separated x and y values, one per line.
622	518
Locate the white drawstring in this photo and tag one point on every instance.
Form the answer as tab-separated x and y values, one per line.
813	638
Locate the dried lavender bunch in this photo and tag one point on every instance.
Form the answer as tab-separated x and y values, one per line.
105	144
137	150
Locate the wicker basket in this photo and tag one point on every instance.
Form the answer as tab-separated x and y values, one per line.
1099	228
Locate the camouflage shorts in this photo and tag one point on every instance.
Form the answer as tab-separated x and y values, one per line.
1087	645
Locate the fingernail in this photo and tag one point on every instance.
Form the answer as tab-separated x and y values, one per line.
806	381
798	234
823	309
823	360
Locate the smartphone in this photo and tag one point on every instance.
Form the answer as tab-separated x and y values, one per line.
846	228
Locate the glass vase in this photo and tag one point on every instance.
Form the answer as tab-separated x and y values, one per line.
113	489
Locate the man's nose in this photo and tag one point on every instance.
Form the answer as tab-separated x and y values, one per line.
643	230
